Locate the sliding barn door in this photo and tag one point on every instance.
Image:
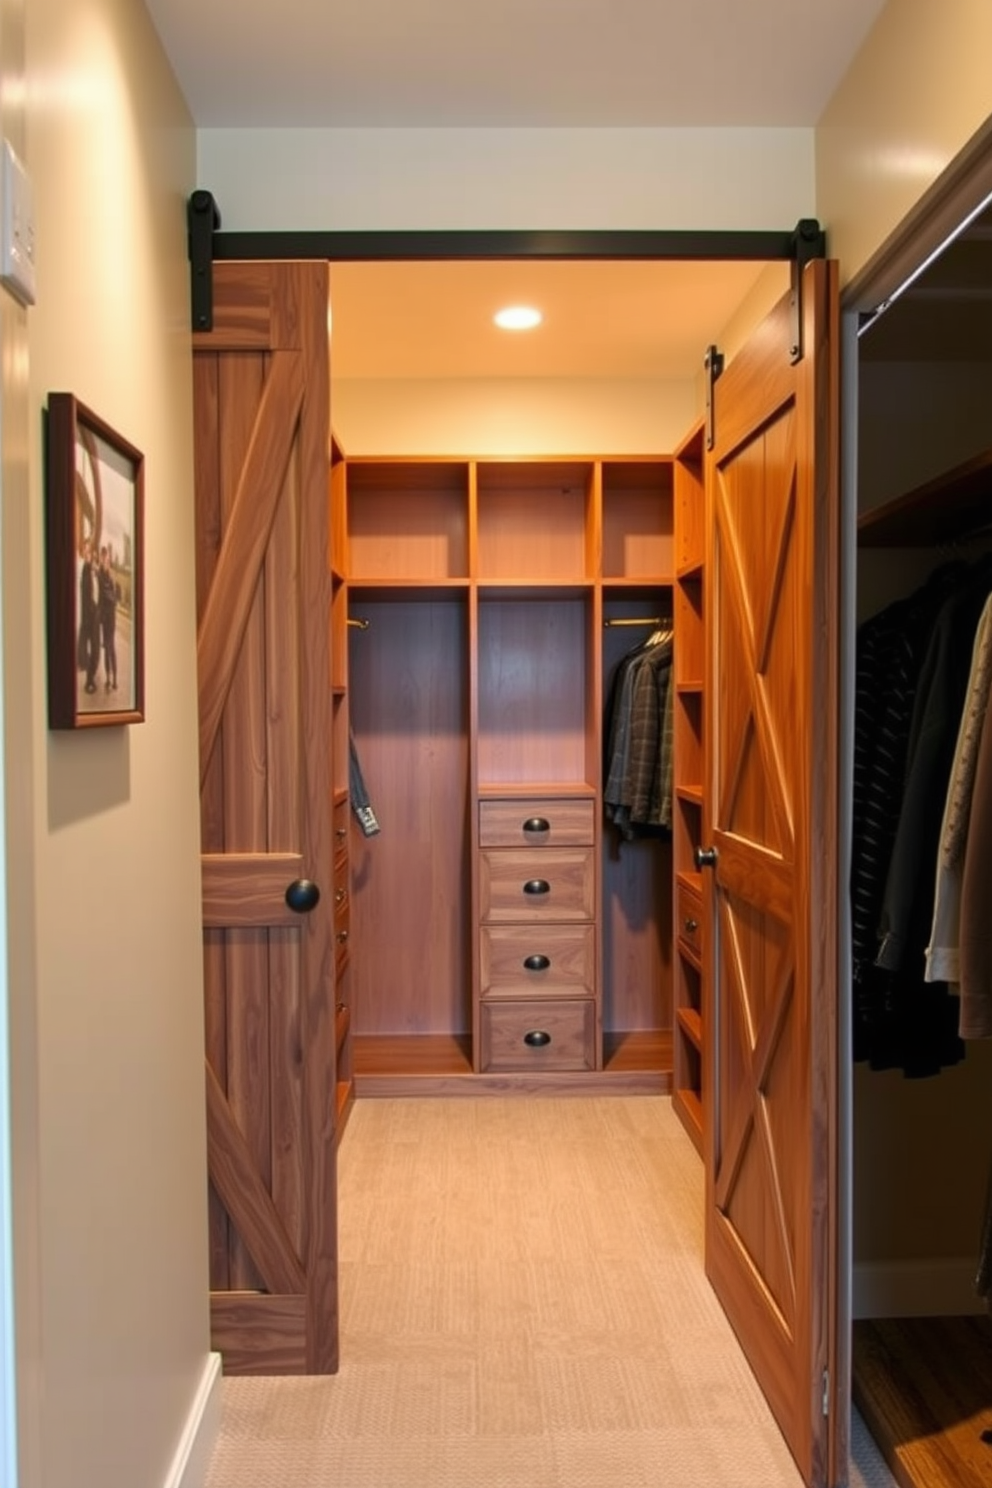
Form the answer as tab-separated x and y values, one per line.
772	773
262	430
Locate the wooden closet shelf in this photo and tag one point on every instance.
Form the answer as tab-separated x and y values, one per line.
924	1388
399	589
690	1021
525	789
690	880
950	506
691	793
689	572
638	1049
530	589
633	588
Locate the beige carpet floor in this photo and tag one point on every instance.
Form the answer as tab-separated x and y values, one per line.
522	1306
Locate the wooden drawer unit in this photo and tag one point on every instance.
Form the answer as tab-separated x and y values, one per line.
538	1035
689	920
536	823
554	883
538	960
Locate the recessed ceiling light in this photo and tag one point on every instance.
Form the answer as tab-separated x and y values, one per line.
518	318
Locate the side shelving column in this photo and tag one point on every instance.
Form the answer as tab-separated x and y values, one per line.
340	888
688	1097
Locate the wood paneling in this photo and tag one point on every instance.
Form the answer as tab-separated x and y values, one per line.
259	1334
411	905
235	1175
534	666
772	679
262	437
226	610
241	889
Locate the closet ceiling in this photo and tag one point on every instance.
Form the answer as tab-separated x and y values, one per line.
540	63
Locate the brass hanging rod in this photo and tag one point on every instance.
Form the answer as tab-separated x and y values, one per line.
358	623
639	620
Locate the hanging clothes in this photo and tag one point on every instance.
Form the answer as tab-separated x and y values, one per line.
638	731
944	949
913	662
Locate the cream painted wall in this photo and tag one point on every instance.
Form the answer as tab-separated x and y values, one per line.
916	93
106	834
511	416
406	179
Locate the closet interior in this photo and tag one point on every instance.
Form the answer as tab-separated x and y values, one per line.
498	930
922	1339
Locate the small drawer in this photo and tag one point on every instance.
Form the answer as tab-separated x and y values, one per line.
544	1035
339	827
555	884
538	960
342	925
689	919
536	823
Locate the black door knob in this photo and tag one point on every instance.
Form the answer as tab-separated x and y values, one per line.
705	857
302	895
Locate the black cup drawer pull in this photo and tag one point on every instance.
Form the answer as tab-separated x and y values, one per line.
537	824
537	1038
537	963
537	886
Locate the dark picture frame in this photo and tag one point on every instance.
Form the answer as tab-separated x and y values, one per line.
94	540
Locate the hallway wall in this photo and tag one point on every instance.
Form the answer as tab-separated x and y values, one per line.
103	836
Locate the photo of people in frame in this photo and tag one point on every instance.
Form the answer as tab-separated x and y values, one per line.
104	527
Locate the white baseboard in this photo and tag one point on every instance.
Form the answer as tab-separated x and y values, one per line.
189	1466
944	1288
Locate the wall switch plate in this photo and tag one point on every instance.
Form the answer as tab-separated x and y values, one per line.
16	228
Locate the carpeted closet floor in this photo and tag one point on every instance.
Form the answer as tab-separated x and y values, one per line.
523	1305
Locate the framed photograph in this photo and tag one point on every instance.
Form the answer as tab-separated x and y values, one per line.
94	530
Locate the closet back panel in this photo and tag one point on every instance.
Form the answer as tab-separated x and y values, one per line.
535	523
533	678
408	521
637	521
411	910
636	876
637	933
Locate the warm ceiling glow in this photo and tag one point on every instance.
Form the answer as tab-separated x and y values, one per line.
517	318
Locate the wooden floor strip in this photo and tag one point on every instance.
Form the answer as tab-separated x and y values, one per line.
924	1388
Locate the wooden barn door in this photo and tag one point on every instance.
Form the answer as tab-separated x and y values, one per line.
772	773
262	439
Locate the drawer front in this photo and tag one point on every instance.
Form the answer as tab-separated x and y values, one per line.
543	1035
538	960
689	919
556	884
536	823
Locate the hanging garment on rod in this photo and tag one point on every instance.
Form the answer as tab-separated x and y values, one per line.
912	668
944	948
639	740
